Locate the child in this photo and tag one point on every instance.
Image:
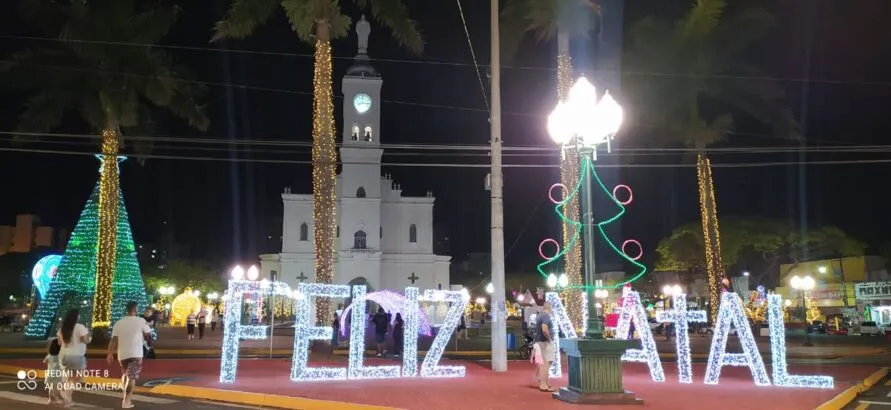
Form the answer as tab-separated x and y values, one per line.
54	378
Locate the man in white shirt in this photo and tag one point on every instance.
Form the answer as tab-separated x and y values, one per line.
127	338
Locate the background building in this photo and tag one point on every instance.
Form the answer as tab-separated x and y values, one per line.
27	234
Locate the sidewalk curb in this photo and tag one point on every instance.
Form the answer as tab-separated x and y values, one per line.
850	394
258	399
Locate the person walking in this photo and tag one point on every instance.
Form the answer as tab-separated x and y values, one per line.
544	339
398	335
53	376
190	325
74	338
335	334
202	323
213	321
127	338
381	324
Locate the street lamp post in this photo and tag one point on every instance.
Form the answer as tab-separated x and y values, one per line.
595	364
803	285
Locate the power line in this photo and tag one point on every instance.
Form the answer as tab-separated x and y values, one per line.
547	149
457	64
473	55
463	165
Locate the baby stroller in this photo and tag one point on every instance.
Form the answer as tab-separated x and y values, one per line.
525	350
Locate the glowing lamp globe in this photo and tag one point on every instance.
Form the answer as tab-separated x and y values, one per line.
808	283
253	273
490	288
552	280
563	280
560	126
606	120
795	282
184	305
237	273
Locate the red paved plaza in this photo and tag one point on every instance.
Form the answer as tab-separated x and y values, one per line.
483	389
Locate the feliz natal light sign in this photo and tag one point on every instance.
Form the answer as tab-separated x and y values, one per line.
729	314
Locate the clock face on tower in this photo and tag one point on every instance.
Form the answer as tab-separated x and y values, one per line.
362	103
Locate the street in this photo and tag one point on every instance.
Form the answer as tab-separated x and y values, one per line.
876	398
11	397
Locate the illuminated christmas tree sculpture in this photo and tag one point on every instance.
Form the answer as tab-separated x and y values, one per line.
73	286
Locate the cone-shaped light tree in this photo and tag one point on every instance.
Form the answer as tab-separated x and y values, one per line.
560	20
701	51
318	23
111	86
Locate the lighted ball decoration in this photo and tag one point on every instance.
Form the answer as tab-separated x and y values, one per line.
43	273
184	305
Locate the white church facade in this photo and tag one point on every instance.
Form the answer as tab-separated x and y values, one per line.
384	239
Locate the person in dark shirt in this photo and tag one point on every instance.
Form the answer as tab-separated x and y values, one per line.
544	329
398	335
381	324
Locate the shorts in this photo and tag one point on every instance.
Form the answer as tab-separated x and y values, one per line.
73	362
380	338
547	351
132	367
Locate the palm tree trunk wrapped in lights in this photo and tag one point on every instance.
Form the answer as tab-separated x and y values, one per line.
710	232
569	175
106	259
324	157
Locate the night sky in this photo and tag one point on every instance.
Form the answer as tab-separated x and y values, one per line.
224	209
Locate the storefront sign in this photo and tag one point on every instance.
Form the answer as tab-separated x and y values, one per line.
834	294
872	290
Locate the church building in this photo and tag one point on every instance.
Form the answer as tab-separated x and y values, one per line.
384	239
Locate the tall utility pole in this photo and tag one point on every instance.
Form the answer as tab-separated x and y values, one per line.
499	314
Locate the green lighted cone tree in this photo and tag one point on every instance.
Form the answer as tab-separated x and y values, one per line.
617	197
75	280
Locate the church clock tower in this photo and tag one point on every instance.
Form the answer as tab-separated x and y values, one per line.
360	178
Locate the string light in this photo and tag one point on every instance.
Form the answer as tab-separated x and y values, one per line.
324	159
781	376
731	313
304	332
633	311
74	285
410	336
708	207
357	369
562	322
588	166
109	189
457	301
233	330
679	315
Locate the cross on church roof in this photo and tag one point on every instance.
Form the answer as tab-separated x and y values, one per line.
413	278
302	277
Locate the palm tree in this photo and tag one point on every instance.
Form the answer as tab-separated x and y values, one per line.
565	20
692	106
318	22
110	86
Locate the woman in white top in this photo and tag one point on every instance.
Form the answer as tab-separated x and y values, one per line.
74	338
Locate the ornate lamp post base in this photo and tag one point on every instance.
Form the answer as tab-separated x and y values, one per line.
595	372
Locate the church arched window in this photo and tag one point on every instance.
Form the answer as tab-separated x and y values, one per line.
382	231
355	133
412	233
360	193
359	240
304	232
337	234
368	133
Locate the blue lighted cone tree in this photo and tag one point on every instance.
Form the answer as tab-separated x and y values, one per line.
75	280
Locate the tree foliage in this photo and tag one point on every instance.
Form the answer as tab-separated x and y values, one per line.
754	241
543	19
245	16
180	273
693	104
89	72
